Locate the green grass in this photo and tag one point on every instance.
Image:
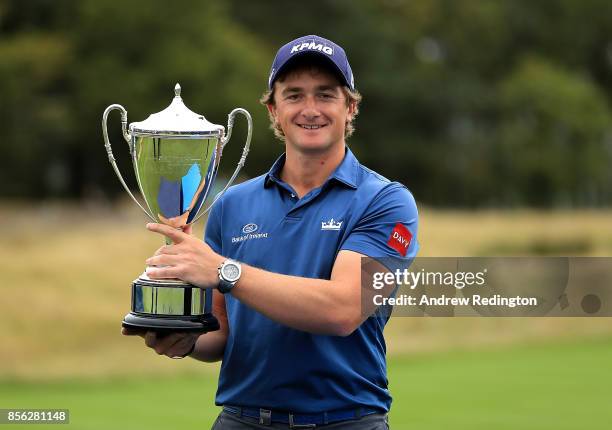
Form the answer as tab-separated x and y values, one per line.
555	386
549	386
185	401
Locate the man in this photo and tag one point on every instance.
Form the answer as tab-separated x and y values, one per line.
297	348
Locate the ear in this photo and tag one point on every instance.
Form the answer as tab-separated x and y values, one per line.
351	110
272	109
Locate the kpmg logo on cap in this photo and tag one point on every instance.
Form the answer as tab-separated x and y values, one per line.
312	46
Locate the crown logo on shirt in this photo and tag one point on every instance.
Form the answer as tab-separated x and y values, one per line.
331	225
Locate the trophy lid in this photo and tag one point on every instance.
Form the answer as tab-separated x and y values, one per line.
176	120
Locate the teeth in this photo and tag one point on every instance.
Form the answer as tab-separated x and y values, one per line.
311	127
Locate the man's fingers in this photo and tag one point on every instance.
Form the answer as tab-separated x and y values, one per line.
163	272
180	348
157	341
163	260
163	342
169	343
177	236
186	345
150	339
167	249
133	332
166	343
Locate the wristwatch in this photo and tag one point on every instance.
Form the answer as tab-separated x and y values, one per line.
229	274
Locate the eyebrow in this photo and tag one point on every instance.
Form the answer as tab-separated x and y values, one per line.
290	90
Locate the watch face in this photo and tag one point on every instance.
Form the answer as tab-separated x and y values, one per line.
231	272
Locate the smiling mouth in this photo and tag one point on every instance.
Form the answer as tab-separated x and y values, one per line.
312	126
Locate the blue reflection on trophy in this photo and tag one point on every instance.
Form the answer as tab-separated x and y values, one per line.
177	199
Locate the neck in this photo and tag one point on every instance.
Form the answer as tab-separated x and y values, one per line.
306	171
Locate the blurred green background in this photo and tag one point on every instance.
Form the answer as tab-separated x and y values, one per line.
496	114
471	103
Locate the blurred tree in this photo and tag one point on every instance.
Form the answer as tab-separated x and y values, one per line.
63	63
468	102
553	135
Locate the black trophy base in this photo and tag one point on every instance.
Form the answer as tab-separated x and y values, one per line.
165	325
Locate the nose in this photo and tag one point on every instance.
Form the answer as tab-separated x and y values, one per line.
310	110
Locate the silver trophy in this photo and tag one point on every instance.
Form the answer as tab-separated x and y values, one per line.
176	155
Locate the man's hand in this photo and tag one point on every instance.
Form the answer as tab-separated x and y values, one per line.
173	345
188	259
133	332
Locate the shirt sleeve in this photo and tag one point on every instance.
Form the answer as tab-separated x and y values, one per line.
213	236
388	227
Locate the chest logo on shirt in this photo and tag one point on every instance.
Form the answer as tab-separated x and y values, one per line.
400	239
331	225
249	233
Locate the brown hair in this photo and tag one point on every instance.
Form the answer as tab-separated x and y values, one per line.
316	65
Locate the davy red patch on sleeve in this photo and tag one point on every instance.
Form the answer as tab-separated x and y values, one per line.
400	239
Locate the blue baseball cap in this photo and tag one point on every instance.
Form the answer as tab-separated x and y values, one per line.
313	45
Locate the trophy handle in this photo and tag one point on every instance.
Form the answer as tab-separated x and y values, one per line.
109	151
245	151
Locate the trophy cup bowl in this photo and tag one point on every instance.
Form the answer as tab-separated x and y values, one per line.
175	155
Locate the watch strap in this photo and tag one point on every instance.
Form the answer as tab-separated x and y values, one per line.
225	286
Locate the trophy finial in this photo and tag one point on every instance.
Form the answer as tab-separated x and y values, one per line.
177	90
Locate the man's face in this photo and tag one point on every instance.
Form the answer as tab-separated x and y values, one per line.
311	109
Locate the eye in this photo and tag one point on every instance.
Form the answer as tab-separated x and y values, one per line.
292	97
327	96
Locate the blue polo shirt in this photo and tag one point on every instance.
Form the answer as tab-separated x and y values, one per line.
261	222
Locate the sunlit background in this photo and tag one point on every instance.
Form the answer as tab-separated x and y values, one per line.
495	114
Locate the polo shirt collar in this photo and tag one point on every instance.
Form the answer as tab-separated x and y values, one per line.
273	174
345	173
